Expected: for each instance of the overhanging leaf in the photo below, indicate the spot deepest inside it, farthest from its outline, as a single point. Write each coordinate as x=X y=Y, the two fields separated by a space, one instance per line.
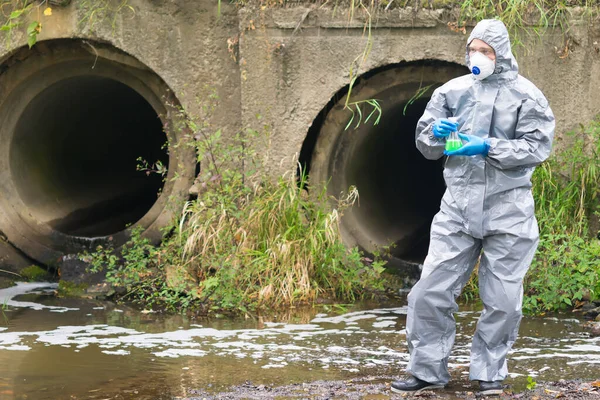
x=32 y=28
x=31 y=40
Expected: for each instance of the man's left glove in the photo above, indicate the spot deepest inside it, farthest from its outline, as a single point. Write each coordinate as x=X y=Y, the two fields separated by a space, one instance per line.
x=474 y=146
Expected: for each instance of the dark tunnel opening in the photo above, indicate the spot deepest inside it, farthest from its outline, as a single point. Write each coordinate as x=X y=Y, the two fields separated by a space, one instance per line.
x=75 y=154
x=400 y=190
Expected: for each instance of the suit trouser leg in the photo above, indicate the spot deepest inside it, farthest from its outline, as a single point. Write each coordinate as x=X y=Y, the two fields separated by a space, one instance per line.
x=504 y=263
x=430 y=324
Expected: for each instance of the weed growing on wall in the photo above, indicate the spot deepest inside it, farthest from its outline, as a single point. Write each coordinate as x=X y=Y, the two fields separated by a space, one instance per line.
x=248 y=241
x=94 y=12
x=29 y=16
x=24 y=13
x=522 y=18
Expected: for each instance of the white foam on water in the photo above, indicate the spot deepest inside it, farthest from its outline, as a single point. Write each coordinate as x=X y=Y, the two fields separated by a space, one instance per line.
x=584 y=347
x=239 y=345
x=7 y=295
x=384 y=324
x=587 y=357
x=597 y=361
x=346 y=361
x=337 y=349
x=356 y=342
x=273 y=366
x=358 y=315
x=117 y=352
x=16 y=347
x=175 y=353
x=377 y=362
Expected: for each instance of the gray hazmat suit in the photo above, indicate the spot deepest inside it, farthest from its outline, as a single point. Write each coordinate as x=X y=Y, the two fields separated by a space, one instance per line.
x=488 y=205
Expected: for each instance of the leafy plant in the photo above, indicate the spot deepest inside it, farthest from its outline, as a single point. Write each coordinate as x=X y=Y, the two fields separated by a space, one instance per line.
x=531 y=384
x=355 y=106
x=566 y=192
x=138 y=269
x=19 y=10
x=157 y=167
x=419 y=93
x=248 y=241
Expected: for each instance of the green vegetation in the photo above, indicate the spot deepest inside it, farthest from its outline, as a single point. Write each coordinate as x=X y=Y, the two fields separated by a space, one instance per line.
x=34 y=273
x=248 y=241
x=18 y=13
x=70 y=289
x=566 y=269
x=94 y=12
x=524 y=19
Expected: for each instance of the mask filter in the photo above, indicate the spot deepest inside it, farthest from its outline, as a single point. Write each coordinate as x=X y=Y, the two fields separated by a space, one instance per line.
x=481 y=66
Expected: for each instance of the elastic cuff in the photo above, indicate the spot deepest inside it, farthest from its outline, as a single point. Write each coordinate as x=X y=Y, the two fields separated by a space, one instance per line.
x=488 y=143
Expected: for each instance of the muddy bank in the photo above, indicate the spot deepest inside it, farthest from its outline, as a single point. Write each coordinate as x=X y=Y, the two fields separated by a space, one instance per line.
x=378 y=387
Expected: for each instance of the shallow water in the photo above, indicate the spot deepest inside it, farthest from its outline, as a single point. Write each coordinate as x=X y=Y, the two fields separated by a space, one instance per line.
x=81 y=349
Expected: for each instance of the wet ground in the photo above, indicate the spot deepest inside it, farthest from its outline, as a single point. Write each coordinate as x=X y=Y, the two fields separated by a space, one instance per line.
x=76 y=349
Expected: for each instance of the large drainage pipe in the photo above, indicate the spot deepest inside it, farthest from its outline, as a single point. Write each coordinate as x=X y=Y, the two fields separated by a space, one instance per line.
x=399 y=189
x=77 y=120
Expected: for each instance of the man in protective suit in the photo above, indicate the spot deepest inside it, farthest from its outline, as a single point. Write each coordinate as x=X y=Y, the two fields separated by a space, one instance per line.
x=486 y=213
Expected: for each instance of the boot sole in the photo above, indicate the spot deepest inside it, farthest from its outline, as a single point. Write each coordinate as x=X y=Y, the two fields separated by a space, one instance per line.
x=431 y=387
x=491 y=392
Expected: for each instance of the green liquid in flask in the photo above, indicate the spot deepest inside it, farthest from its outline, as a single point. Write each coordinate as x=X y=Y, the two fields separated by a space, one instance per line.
x=453 y=144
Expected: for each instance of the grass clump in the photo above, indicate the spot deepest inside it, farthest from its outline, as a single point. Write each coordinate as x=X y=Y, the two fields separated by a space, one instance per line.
x=249 y=241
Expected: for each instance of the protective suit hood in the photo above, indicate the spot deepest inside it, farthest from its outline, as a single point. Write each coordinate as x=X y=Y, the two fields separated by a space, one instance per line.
x=494 y=33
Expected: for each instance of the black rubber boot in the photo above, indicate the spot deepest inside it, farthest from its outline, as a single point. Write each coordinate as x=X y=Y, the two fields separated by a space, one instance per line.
x=413 y=385
x=490 y=388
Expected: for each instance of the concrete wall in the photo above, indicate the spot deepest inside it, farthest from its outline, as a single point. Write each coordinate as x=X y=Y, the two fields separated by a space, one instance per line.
x=286 y=64
x=293 y=73
x=182 y=41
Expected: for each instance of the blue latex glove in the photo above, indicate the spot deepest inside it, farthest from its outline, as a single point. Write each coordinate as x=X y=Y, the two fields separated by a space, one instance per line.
x=443 y=127
x=474 y=146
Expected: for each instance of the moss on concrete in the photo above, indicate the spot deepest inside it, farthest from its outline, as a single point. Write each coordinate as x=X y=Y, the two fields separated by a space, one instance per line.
x=70 y=289
x=33 y=273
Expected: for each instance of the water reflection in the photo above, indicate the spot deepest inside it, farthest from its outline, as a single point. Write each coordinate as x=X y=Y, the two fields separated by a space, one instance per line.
x=100 y=350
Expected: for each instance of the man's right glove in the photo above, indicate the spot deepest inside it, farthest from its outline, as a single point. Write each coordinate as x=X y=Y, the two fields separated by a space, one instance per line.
x=443 y=127
x=474 y=146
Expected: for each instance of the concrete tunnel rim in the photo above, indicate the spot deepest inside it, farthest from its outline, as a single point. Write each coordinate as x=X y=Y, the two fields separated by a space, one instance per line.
x=328 y=133
x=38 y=240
